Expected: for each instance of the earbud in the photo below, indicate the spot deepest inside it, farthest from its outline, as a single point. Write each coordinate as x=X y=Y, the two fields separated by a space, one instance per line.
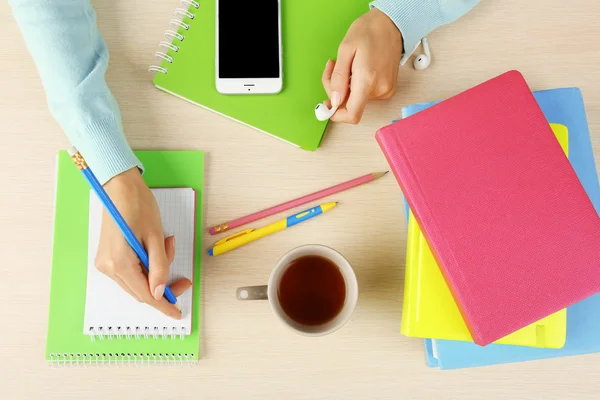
x=422 y=61
x=323 y=113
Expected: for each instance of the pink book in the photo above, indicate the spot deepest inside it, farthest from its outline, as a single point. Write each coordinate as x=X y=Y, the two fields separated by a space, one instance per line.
x=512 y=229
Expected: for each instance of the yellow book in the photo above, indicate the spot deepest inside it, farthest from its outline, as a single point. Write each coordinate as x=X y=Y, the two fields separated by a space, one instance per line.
x=429 y=310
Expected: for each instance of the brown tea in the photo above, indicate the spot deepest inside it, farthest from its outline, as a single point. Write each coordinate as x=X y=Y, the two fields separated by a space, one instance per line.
x=312 y=290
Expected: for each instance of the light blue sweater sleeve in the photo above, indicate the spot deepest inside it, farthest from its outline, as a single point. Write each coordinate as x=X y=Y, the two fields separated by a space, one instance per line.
x=71 y=57
x=418 y=18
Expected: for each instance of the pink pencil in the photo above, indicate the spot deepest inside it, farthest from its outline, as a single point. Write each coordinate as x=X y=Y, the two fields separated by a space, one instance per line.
x=297 y=202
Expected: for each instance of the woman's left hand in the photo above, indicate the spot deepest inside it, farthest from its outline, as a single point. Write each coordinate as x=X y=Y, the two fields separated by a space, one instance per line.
x=366 y=67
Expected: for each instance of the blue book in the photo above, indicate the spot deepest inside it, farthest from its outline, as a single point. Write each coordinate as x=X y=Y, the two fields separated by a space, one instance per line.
x=561 y=106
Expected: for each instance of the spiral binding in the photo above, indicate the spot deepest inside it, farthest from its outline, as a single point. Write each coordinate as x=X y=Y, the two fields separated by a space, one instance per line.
x=171 y=36
x=118 y=359
x=128 y=333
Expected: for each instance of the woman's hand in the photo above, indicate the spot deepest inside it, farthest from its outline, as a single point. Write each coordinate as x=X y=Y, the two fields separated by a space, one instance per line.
x=366 y=67
x=116 y=259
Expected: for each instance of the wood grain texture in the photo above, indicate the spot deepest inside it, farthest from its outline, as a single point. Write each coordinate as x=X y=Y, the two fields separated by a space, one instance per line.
x=247 y=354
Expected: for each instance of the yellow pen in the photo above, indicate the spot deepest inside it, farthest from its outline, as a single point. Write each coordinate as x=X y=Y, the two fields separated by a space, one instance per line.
x=239 y=239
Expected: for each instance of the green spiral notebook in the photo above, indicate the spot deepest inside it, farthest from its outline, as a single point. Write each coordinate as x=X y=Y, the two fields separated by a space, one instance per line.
x=91 y=319
x=311 y=33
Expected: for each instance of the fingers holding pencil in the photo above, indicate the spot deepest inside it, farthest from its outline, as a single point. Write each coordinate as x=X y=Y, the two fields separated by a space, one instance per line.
x=120 y=253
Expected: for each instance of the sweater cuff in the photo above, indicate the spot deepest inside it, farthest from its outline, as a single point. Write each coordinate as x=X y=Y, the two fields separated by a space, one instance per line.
x=414 y=18
x=106 y=150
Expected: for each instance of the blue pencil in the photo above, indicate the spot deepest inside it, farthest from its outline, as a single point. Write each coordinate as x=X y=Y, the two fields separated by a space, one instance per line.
x=116 y=215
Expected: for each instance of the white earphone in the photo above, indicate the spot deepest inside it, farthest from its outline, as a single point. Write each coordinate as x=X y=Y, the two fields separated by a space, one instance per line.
x=323 y=113
x=422 y=61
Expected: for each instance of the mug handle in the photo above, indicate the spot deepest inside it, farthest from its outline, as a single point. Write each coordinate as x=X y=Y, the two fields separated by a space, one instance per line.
x=252 y=293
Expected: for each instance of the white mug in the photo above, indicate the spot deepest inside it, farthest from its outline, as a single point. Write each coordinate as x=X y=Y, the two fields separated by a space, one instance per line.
x=270 y=291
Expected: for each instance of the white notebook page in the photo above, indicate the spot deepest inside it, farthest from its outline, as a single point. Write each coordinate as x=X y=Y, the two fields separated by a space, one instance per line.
x=109 y=310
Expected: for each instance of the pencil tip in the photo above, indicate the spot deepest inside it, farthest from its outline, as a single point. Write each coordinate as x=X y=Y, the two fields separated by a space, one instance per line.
x=377 y=175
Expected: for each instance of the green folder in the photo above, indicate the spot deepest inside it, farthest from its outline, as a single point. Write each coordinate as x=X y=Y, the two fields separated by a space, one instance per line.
x=66 y=343
x=311 y=33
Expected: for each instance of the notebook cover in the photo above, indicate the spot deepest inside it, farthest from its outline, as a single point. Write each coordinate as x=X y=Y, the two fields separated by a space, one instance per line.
x=65 y=341
x=429 y=311
x=480 y=195
x=290 y=114
x=564 y=106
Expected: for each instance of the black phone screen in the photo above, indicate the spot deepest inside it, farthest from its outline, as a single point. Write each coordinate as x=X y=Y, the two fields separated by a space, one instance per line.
x=248 y=39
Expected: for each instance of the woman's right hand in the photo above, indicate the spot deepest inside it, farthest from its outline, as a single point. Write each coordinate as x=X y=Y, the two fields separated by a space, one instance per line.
x=116 y=259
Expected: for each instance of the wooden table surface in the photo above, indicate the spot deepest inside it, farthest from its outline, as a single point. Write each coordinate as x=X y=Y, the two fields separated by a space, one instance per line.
x=246 y=352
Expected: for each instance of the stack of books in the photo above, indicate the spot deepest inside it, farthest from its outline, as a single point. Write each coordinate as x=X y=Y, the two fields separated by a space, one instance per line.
x=502 y=201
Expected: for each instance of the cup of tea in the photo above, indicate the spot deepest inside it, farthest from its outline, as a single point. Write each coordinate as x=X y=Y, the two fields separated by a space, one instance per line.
x=312 y=289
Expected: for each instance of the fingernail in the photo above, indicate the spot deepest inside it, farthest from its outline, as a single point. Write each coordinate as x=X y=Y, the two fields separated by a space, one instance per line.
x=158 y=292
x=173 y=243
x=335 y=99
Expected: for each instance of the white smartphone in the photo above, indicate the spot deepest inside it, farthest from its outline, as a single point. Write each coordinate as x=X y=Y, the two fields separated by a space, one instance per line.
x=248 y=47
